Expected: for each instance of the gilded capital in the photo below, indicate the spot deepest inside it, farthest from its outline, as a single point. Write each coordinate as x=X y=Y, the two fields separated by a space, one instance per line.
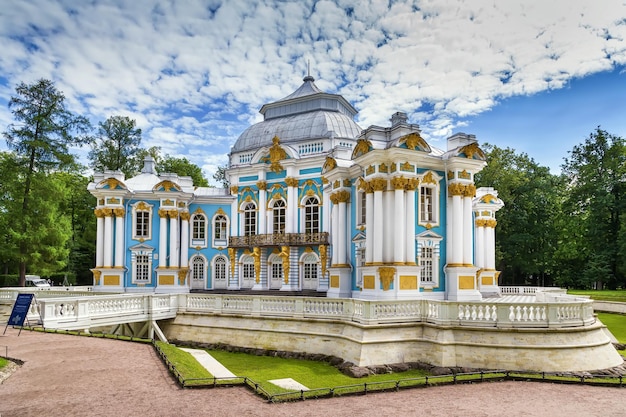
x=185 y=215
x=469 y=190
x=234 y=189
x=379 y=184
x=455 y=189
x=107 y=212
x=491 y=223
x=412 y=184
x=291 y=182
x=173 y=214
x=261 y=185
x=481 y=222
x=343 y=196
x=119 y=212
x=163 y=213
x=399 y=183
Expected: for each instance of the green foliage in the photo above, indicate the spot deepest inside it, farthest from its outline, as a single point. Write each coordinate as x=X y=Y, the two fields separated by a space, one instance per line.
x=184 y=362
x=526 y=236
x=117 y=145
x=594 y=211
x=183 y=167
x=220 y=177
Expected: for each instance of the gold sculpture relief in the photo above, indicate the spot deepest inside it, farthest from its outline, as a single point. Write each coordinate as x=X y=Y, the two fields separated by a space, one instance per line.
x=185 y=215
x=323 y=258
x=489 y=199
x=142 y=206
x=491 y=223
x=469 y=190
x=277 y=154
x=455 y=189
x=471 y=150
x=284 y=254
x=386 y=276
x=347 y=182
x=379 y=184
x=412 y=184
x=464 y=175
x=343 y=196
x=429 y=179
x=414 y=141
x=324 y=180
x=113 y=183
x=362 y=147
x=407 y=167
x=261 y=185
x=383 y=168
x=168 y=202
x=234 y=189
x=220 y=211
x=336 y=184
x=256 y=254
x=481 y=223
x=107 y=212
x=182 y=275
x=119 y=212
x=232 y=252
x=173 y=214
x=98 y=212
x=450 y=175
x=398 y=183
x=291 y=182
x=329 y=164
x=96 y=276
x=114 y=200
x=370 y=170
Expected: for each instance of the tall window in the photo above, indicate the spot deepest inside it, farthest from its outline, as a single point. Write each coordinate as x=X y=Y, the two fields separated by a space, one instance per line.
x=426 y=262
x=249 y=219
x=198 y=269
x=220 y=230
x=248 y=271
x=362 y=207
x=277 y=271
x=220 y=269
x=426 y=204
x=198 y=230
x=311 y=215
x=142 y=217
x=142 y=268
x=310 y=268
x=278 y=210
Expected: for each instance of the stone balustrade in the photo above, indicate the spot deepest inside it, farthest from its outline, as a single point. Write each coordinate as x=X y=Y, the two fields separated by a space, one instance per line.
x=74 y=310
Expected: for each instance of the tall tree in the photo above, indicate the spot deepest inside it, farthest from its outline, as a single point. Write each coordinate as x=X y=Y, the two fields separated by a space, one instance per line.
x=596 y=173
x=220 y=176
x=183 y=167
x=41 y=138
x=526 y=234
x=116 y=146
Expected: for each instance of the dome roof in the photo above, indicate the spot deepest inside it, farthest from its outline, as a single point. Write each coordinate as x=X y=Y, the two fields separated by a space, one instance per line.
x=307 y=113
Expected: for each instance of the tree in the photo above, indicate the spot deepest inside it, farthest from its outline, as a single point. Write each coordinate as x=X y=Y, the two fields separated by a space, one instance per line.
x=183 y=167
x=117 y=145
x=596 y=173
x=526 y=233
x=220 y=176
x=41 y=140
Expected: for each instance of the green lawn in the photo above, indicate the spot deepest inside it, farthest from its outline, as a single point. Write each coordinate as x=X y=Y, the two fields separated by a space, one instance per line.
x=312 y=374
x=604 y=295
x=616 y=324
x=3 y=363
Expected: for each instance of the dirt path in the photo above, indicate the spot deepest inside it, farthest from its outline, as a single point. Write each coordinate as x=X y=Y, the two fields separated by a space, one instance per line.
x=79 y=376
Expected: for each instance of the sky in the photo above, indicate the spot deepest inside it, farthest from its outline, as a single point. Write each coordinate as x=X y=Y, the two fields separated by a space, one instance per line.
x=534 y=75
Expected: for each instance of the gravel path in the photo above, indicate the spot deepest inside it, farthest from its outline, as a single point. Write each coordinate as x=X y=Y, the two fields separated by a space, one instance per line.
x=66 y=375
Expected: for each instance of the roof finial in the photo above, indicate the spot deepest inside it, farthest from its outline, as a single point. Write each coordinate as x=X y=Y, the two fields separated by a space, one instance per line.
x=308 y=72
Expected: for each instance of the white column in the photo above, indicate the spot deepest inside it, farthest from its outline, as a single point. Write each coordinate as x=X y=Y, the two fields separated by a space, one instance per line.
x=173 y=238
x=410 y=226
x=108 y=238
x=119 y=237
x=480 y=243
x=490 y=245
x=456 y=257
x=291 y=225
x=162 y=238
x=234 y=217
x=184 y=240
x=262 y=208
x=399 y=225
x=378 y=227
x=468 y=227
x=99 y=238
x=335 y=230
x=387 y=227
x=369 y=227
x=342 y=232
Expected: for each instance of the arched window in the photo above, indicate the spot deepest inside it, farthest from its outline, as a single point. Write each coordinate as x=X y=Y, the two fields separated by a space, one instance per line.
x=219 y=272
x=278 y=214
x=220 y=230
x=249 y=219
x=198 y=230
x=142 y=218
x=429 y=199
x=198 y=269
x=309 y=271
x=311 y=215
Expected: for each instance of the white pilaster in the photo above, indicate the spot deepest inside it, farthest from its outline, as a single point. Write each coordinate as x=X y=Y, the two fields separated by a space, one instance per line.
x=108 y=238
x=119 y=237
x=409 y=233
x=342 y=233
x=399 y=255
x=173 y=239
x=378 y=227
x=456 y=255
x=184 y=240
x=468 y=226
x=369 y=227
x=162 y=238
x=99 y=238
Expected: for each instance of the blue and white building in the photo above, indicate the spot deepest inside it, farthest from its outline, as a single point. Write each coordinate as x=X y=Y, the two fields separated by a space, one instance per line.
x=316 y=203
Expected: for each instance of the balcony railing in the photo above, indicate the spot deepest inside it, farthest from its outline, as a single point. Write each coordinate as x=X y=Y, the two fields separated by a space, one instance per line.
x=279 y=239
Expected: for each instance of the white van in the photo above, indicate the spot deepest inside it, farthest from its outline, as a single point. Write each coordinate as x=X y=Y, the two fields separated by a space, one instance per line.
x=36 y=281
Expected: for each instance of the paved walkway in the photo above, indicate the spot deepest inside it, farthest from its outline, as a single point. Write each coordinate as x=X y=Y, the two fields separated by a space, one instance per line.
x=210 y=363
x=67 y=375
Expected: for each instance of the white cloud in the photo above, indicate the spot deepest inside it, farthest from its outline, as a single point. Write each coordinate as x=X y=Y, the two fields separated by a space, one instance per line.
x=195 y=73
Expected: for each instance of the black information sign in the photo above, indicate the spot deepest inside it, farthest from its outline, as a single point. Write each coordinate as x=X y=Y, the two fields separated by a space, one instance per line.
x=20 y=310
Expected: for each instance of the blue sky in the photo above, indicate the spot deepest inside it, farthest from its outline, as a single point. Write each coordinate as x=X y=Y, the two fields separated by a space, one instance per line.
x=533 y=75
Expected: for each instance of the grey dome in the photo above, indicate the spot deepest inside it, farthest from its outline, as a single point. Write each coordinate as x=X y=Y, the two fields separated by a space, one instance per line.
x=307 y=113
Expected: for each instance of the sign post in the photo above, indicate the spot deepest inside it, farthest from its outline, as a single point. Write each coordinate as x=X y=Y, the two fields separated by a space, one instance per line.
x=20 y=311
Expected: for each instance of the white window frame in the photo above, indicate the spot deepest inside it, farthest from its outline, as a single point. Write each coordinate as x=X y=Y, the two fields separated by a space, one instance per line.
x=361 y=208
x=249 y=218
x=146 y=208
x=198 y=240
x=141 y=259
x=222 y=241
x=275 y=214
x=435 y=196
x=203 y=263
x=305 y=221
x=431 y=242
x=220 y=268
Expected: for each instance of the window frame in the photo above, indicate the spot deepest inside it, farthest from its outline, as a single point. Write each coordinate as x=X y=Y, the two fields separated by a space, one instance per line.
x=278 y=212
x=313 y=225
x=141 y=260
x=145 y=211
x=198 y=237
x=220 y=224
x=249 y=219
